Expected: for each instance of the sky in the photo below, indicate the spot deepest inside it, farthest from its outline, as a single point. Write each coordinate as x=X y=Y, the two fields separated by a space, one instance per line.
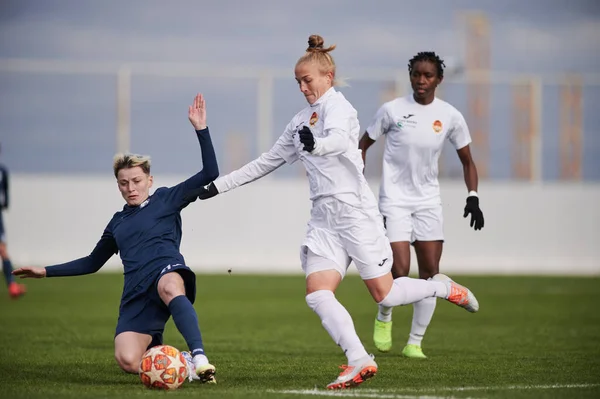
x=65 y=123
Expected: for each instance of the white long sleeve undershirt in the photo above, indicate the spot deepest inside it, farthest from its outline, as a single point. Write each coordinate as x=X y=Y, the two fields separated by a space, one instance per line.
x=260 y=167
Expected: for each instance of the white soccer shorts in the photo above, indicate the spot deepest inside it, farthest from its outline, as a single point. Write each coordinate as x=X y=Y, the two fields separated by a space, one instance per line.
x=414 y=223
x=342 y=233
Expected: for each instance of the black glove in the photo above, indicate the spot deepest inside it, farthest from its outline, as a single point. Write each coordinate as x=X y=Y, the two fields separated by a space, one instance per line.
x=307 y=138
x=208 y=191
x=472 y=207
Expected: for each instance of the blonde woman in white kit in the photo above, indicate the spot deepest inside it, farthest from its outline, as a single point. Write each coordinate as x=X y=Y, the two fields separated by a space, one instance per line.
x=415 y=129
x=345 y=223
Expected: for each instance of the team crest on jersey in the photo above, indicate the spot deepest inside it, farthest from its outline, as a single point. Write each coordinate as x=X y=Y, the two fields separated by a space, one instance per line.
x=313 y=119
x=437 y=126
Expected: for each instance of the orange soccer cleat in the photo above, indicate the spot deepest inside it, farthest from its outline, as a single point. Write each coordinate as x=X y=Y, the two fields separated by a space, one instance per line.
x=16 y=290
x=458 y=294
x=355 y=374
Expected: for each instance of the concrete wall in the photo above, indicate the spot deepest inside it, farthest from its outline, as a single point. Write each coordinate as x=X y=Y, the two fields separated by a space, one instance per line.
x=530 y=229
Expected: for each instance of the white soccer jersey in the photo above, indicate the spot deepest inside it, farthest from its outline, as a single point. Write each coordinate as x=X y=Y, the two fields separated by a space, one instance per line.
x=415 y=135
x=334 y=168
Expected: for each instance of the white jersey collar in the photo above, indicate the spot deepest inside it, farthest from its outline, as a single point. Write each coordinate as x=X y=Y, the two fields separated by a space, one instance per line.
x=411 y=100
x=324 y=97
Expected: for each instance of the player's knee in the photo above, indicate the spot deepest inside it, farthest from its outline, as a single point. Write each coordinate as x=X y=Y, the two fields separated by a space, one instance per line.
x=314 y=299
x=128 y=361
x=400 y=268
x=167 y=292
x=170 y=286
x=429 y=254
x=401 y=262
x=426 y=274
x=387 y=298
x=429 y=266
x=399 y=271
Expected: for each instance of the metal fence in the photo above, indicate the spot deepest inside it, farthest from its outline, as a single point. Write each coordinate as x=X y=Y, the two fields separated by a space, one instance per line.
x=65 y=116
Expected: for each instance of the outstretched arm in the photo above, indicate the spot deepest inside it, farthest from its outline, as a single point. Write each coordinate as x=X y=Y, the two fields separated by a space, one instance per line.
x=210 y=168
x=103 y=251
x=187 y=191
x=260 y=167
x=283 y=151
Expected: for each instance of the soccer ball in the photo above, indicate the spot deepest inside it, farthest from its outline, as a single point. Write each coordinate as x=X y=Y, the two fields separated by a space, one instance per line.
x=163 y=367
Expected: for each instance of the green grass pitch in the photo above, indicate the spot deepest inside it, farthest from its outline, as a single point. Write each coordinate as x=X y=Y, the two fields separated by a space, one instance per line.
x=534 y=337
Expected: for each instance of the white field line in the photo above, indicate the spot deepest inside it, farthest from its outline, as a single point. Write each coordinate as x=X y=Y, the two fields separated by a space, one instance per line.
x=400 y=393
x=360 y=394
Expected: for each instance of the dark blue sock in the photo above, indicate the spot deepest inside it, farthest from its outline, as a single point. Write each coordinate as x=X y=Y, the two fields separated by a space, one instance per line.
x=186 y=321
x=7 y=270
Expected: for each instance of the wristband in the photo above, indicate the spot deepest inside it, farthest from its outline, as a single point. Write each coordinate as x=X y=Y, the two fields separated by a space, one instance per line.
x=473 y=193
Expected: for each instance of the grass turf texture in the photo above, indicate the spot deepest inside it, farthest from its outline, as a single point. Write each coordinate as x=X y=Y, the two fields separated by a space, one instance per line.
x=57 y=341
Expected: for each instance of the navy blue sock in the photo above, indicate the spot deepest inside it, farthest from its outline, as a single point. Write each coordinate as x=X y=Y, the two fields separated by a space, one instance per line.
x=7 y=270
x=186 y=321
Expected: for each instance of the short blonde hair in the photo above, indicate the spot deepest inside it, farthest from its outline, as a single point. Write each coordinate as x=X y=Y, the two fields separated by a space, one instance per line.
x=317 y=53
x=126 y=161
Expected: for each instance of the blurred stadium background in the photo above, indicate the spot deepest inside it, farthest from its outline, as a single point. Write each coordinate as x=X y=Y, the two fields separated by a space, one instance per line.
x=83 y=80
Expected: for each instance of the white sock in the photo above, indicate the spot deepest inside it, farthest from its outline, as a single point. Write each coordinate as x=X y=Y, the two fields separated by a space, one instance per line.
x=407 y=290
x=338 y=323
x=422 y=314
x=384 y=313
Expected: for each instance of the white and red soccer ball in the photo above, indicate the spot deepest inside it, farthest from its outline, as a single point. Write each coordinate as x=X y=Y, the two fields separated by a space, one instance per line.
x=163 y=367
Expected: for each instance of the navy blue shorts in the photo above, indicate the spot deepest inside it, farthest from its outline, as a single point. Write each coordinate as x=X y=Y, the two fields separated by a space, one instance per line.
x=146 y=313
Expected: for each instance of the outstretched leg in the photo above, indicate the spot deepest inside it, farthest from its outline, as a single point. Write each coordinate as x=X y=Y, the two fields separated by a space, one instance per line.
x=388 y=291
x=171 y=289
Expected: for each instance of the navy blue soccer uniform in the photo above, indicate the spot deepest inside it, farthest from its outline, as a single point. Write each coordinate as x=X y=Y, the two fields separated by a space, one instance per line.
x=147 y=238
x=3 y=197
x=15 y=290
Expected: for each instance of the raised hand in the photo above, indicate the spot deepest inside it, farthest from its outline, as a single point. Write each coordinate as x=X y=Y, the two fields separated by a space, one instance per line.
x=30 y=272
x=197 y=113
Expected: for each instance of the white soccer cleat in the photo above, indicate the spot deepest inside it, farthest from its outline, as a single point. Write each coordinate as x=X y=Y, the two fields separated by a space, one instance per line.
x=458 y=294
x=355 y=373
x=190 y=366
x=199 y=369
